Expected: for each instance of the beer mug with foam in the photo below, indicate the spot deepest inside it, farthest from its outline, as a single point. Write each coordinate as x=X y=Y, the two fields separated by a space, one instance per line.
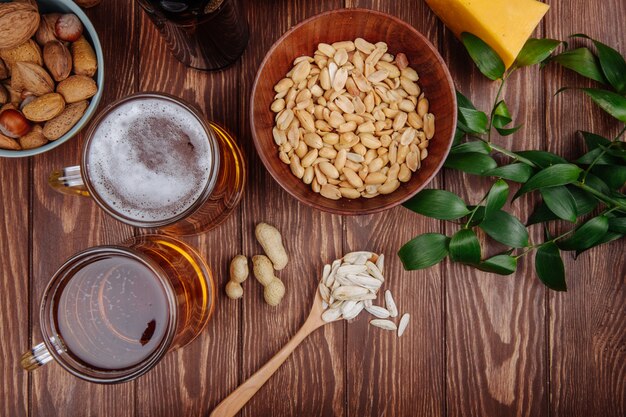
x=151 y=160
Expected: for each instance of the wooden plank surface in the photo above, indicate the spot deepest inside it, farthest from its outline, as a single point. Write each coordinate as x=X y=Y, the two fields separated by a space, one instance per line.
x=63 y=225
x=312 y=381
x=192 y=380
x=478 y=344
x=587 y=330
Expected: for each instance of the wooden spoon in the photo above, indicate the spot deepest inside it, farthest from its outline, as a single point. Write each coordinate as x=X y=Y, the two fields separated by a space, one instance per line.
x=238 y=398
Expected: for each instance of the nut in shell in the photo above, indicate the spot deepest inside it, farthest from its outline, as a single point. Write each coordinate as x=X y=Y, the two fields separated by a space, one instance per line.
x=33 y=139
x=45 y=32
x=31 y=78
x=18 y=23
x=28 y=51
x=13 y=123
x=58 y=60
x=85 y=62
x=68 y=28
x=9 y=143
x=61 y=124
x=44 y=108
x=77 y=88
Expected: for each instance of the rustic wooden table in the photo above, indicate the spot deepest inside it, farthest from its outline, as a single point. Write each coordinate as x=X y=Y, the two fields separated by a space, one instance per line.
x=478 y=344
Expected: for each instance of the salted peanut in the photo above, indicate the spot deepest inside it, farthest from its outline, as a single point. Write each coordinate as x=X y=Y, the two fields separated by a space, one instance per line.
x=351 y=119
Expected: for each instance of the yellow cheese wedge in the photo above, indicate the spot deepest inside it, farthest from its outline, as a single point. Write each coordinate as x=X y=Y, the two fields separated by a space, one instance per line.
x=504 y=24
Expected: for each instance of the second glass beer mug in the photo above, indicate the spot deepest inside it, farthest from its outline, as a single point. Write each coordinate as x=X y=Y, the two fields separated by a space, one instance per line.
x=110 y=313
x=152 y=161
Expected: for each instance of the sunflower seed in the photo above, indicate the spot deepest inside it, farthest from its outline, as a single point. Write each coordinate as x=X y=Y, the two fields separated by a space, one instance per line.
x=383 y=324
x=374 y=271
x=404 y=322
x=391 y=304
x=351 y=269
x=331 y=314
x=354 y=311
x=324 y=292
x=349 y=292
x=378 y=311
x=365 y=281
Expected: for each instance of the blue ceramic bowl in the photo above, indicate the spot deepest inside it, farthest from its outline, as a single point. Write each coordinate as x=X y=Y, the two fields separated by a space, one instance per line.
x=68 y=6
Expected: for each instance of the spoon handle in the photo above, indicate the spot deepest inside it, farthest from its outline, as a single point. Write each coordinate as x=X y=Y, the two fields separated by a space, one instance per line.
x=238 y=398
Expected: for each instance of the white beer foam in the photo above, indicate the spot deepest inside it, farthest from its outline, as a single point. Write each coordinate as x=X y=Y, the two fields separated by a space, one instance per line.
x=149 y=159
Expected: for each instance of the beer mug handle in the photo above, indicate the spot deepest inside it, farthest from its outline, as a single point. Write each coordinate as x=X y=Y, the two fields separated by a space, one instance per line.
x=68 y=180
x=35 y=357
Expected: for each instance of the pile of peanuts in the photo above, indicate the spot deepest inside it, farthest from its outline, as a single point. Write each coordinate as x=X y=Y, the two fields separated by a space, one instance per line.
x=352 y=121
x=263 y=266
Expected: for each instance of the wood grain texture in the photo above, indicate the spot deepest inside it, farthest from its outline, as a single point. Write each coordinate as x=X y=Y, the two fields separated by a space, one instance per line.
x=14 y=285
x=587 y=327
x=478 y=344
x=495 y=340
x=64 y=225
x=311 y=382
x=192 y=380
x=386 y=375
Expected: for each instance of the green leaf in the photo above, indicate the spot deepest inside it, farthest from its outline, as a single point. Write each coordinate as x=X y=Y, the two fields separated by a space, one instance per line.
x=613 y=175
x=586 y=235
x=559 y=174
x=485 y=58
x=496 y=198
x=424 y=251
x=439 y=204
x=471 y=162
x=506 y=229
x=593 y=141
x=517 y=172
x=463 y=101
x=616 y=149
x=608 y=237
x=542 y=159
x=501 y=115
x=583 y=62
x=472 y=121
x=612 y=64
x=617 y=224
x=597 y=184
x=458 y=135
x=541 y=214
x=474 y=146
x=610 y=102
x=560 y=202
x=585 y=202
x=508 y=132
x=479 y=215
x=549 y=267
x=597 y=156
x=464 y=247
x=535 y=51
x=500 y=264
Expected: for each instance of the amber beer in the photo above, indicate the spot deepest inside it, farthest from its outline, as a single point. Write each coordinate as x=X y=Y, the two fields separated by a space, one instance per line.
x=111 y=312
x=202 y=34
x=153 y=161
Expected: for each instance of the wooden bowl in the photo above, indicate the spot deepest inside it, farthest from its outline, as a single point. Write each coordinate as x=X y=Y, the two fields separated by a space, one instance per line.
x=348 y=24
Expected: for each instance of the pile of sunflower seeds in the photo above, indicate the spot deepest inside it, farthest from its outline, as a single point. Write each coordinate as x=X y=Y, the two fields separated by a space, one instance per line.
x=350 y=284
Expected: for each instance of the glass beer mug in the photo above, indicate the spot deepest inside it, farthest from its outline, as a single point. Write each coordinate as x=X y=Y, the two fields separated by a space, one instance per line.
x=202 y=34
x=110 y=313
x=151 y=160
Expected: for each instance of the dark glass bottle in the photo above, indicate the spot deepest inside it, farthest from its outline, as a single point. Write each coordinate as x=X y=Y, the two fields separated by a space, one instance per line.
x=202 y=34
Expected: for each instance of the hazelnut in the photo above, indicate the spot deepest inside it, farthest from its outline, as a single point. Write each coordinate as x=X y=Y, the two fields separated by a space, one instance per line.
x=13 y=124
x=68 y=28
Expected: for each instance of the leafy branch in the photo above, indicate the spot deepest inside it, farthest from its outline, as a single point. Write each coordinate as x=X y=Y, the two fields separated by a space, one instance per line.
x=569 y=190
